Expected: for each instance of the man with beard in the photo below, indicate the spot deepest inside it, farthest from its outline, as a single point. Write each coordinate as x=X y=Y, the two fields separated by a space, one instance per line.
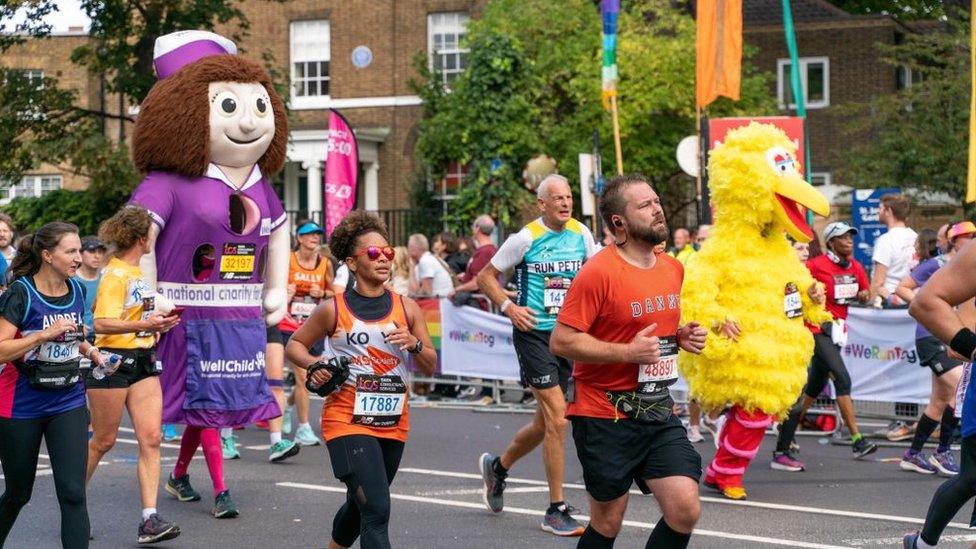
x=620 y=324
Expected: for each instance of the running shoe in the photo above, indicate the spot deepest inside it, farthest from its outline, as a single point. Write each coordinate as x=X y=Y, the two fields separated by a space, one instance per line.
x=528 y=399
x=282 y=450
x=735 y=493
x=784 y=461
x=694 y=434
x=286 y=421
x=915 y=461
x=493 y=496
x=169 y=433
x=180 y=489
x=944 y=463
x=910 y=541
x=900 y=431
x=863 y=447
x=305 y=437
x=224 y=507
x=228 y=446
x=560 y=522
x=156 y=529
x=468 y=392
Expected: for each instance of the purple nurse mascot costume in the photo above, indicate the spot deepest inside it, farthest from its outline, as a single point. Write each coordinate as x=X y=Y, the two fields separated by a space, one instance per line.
x=209 y=134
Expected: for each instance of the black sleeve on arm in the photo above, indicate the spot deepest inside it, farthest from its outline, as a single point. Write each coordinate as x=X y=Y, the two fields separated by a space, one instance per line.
x=13 y=304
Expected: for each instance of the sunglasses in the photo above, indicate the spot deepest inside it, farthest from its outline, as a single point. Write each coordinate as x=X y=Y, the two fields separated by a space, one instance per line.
x=373 y=252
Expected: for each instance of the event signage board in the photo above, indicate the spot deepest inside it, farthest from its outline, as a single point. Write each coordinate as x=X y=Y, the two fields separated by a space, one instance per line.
x=864 y=218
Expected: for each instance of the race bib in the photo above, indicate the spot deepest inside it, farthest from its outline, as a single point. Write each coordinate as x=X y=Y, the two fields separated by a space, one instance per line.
x=554 y=294
x=793 y=304
x=664 y=372
x=66 y=348
x=301 y=310
x=379 y=400
x=237 y=262
x=845 y=288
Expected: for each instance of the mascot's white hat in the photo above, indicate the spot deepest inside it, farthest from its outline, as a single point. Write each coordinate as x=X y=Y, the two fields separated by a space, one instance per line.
x=175 y=50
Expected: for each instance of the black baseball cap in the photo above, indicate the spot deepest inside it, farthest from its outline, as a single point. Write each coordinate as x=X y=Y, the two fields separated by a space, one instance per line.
x=92 y=243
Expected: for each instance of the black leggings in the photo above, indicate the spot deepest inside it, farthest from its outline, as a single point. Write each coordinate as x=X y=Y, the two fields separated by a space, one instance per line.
x=952 y=495
x=66 y=436
x=826 y=362
x=366 y=465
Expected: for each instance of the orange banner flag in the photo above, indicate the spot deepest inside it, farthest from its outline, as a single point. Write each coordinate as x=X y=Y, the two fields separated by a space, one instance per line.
x=718 y=47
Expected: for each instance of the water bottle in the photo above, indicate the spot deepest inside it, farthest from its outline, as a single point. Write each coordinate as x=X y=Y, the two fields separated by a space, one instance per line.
x=111 y=360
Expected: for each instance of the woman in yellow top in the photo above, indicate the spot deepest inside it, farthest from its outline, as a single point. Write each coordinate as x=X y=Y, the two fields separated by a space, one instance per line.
x=126 y=325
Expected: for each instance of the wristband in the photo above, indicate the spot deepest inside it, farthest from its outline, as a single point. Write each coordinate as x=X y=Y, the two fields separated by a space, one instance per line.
x=90 y=349
x=505 y=304
x=964 y=343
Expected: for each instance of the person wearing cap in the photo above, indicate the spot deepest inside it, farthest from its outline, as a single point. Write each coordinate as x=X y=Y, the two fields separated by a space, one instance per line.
x=845 y=281
x=90 y=275
x=934 y=355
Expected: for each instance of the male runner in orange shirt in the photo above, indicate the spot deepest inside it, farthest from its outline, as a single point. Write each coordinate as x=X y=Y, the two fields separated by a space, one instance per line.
x=620 y=324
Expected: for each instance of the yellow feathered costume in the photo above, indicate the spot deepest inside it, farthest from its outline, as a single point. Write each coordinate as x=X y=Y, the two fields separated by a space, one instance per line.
x=744 y=273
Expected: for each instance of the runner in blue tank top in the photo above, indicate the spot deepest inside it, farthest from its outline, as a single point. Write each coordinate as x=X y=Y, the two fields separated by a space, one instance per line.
x=42 y=342
x=546 y=256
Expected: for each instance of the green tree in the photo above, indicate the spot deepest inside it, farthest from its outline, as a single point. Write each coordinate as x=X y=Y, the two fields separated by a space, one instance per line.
x=902 y=9
x=557 y=97
x=918 y=137
x=43 y=123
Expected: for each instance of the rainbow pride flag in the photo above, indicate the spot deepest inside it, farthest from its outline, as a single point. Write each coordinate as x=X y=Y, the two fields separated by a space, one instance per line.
x=431 y=309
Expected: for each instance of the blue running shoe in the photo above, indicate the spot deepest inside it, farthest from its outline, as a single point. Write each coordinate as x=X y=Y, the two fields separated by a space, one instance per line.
x=916 y=462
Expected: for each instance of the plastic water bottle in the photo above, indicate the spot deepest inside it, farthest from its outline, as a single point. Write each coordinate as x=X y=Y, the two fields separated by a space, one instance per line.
x=111 y=360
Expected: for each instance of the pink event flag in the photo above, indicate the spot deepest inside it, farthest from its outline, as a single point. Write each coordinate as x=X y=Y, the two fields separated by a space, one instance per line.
x=341 y=171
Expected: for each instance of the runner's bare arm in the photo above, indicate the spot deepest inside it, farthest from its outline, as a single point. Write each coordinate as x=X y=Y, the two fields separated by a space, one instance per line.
x=878 y=280
x=570 y=343
x=150 y=273
x=321 y=324
x=427 y=358
x=276 y=279
x=949 y=287
x=906 y=289
x=522 y=317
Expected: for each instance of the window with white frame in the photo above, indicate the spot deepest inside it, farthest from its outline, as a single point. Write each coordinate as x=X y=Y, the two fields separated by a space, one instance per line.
x=310 y=56
x=445 y=31
x=905 y=78
x=447 y=187
x=820 y=179
x=814 y=78
x=30 y=186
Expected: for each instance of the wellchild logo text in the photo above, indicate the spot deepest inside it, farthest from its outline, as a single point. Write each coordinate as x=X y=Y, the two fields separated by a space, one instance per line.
x=882 y=354
x=222 y=366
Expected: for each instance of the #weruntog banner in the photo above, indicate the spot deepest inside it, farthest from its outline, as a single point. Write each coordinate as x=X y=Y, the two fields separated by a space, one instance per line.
x=341 y=171
x=881 y=357
x=476 y=344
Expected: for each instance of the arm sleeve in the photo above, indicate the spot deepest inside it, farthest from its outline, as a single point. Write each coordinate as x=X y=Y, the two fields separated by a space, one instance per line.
x=156 y=195
x=591 y=248
x=512 y=251
x=110 y=299
x=13 y=304
x=586 y=294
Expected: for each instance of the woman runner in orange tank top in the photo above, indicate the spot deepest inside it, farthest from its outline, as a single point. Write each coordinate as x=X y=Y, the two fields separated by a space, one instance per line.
x=365 y=422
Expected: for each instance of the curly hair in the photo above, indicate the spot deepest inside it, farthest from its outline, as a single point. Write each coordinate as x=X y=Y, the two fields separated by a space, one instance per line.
x=353 y=226
x=123 y=230
x=172 y=131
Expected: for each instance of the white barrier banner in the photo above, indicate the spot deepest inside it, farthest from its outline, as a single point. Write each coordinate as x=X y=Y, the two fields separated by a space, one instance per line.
x=881 y=357
x=476 y=344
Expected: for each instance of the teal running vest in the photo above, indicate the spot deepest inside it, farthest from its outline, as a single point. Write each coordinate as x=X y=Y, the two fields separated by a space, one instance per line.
x=548 y=267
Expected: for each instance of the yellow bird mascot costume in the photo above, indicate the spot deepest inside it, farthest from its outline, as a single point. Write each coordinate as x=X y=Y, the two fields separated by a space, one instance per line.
x=747 y=285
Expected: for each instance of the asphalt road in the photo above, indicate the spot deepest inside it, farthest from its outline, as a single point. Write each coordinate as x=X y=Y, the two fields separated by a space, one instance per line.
x=837 y=502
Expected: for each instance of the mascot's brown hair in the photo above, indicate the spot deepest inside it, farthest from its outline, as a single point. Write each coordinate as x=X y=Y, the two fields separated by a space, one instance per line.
x=172 y=130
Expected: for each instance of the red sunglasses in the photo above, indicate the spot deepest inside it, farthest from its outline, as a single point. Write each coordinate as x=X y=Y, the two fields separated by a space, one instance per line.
x=373 y=252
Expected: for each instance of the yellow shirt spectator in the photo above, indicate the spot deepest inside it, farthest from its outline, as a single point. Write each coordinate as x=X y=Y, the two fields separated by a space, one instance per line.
x=124 y=295
x=684 y=255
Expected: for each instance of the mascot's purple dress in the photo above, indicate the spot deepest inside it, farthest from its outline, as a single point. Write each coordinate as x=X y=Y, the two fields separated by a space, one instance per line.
x=213 y=361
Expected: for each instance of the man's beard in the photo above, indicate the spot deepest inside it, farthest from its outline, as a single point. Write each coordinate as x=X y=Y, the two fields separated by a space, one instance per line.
x=653 y=235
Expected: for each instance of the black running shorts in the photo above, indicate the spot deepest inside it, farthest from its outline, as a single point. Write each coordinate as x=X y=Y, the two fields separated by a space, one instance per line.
x=935 y=355
x=128 y=374
x=616 y=453
x=275 y=335
x=538 y=367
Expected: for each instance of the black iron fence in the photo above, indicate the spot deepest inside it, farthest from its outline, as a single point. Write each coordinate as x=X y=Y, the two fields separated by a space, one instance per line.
x=400 y=223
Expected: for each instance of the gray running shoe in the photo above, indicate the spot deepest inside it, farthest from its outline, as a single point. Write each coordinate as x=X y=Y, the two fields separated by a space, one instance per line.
x=180 y=488
x=224 y=507
x=910 y=540
x=561 y=522
x=156 y=529
x=493 y=495
x=863 y=447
